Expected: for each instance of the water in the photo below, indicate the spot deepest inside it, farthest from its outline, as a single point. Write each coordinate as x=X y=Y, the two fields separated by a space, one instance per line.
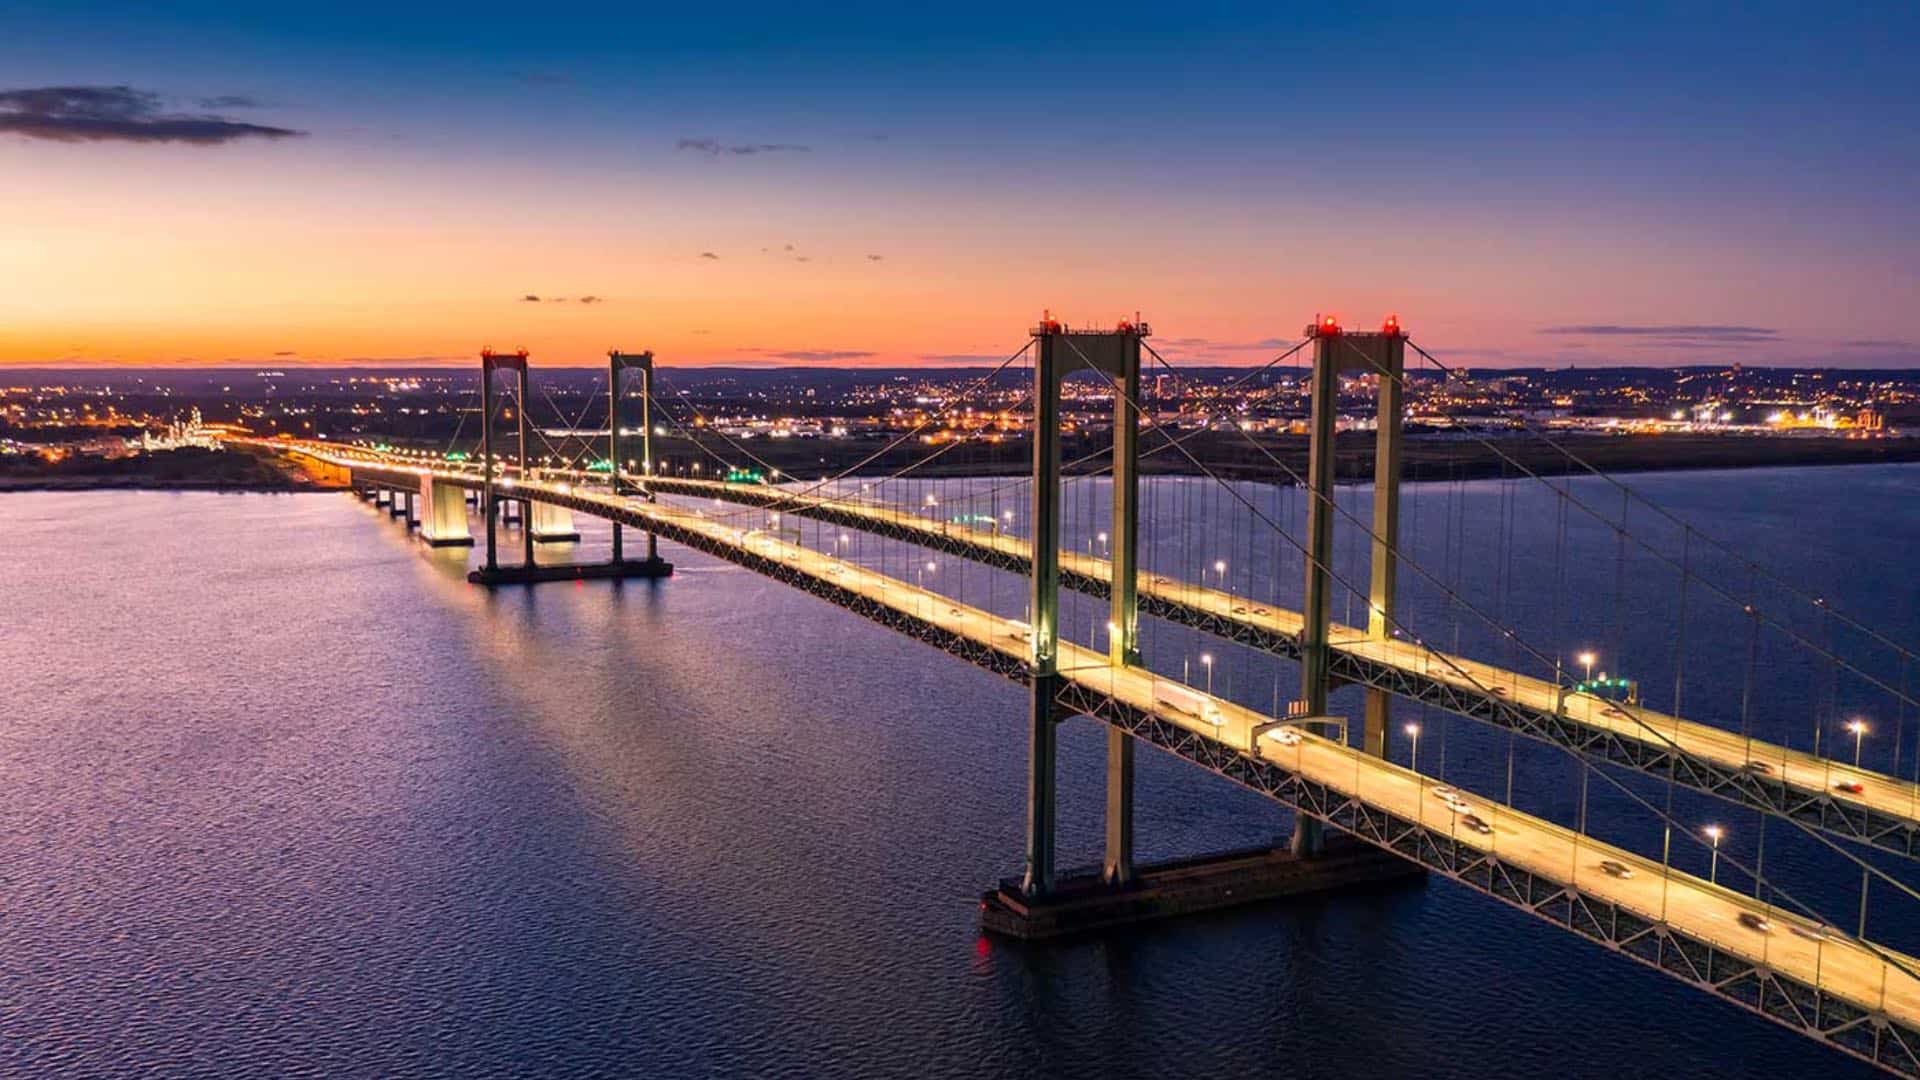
x=286 y=796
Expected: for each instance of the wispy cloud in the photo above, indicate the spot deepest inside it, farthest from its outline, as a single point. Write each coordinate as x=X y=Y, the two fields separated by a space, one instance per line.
x=959 y=358
x=536 y=298
x=1698 y=335
x=814 y=355
x=1201 y=344
x=708 y=255
x=875 y=258
x=714 y=147
x=230 y=101
x=76 y=114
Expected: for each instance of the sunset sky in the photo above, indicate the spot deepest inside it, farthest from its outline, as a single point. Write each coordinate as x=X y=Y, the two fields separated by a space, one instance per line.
x=392 y=183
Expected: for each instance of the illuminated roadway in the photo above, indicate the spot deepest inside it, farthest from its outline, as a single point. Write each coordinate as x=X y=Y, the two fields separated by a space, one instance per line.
x=1811 y=777
x=1873 y=980
x=1712 y=759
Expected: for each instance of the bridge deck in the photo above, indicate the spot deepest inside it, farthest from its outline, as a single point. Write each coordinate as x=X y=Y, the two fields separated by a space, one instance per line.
x=1860 y=998
x=1885 y=813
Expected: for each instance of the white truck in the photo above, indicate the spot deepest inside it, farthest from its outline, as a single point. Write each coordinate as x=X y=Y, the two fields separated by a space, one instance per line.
x=1184 y=700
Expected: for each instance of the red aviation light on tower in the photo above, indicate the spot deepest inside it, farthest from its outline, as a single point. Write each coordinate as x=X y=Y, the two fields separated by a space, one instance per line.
x=1326 y=325
x=1391 y=327
x=1048 y=324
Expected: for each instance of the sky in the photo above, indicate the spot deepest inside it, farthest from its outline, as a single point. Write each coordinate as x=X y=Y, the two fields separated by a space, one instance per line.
x=878 y=185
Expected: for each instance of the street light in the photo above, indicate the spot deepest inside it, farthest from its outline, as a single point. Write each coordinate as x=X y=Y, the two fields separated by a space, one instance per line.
x=1206 y=658
x=1586 y=660
x=1859 y=729
x=1413 y=732
x=1714 y=833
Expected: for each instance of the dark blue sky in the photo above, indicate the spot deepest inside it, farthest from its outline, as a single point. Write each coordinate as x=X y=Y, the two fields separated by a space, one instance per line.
x=1667 y=164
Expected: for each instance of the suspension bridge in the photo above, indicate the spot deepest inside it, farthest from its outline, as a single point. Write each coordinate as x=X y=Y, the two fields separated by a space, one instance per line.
x=1770 y=949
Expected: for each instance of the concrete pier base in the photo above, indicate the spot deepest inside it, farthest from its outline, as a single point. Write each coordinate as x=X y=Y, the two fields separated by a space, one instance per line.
x=553 y=525
x=533 y=575
x=1082 y=903
x=445 y=522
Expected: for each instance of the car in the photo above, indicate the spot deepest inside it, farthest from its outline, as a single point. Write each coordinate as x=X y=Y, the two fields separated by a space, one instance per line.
x=1239 y=611
x=1287 y=736
x=1812 y=933
x=1613 y=712
x=1497 y=691
x=1472 y=821
x=1759 y=767
x=1161 y=581
x=1616 y=868
x=1459 y=805
x=1851 y=787
x=1445 y=793
x=1753 y=920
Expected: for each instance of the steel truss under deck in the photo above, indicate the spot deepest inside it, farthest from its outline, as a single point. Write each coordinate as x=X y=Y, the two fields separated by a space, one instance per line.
x=1769 y=794
x=1811 y=1011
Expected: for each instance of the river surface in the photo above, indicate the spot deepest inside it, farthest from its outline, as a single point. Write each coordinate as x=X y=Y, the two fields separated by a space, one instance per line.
x=282 y=795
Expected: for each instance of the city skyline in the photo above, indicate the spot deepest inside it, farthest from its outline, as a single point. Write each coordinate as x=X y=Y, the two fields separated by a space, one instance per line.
x=886 y=189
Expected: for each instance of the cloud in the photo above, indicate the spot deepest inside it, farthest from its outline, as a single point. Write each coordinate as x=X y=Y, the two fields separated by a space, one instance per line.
x=1691 y=334
x=536 y=298
x=1201 y=344
x=875 y=258
x=229 y=101
x=714 y=147
x=708 y=255
x=815 y=355
x=286 y=352
x=1879 y=343
x=118 y=114
x=959 y=358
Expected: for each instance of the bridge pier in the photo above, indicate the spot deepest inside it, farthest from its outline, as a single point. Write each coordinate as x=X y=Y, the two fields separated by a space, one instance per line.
x=445 y=522
x=553 y=524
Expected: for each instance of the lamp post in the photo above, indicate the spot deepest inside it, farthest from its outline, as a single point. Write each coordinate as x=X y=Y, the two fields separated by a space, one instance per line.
x=1206 y=659
x=1586 y=661
x=1859 y=729
x=1714 y=833
x=1413 y=733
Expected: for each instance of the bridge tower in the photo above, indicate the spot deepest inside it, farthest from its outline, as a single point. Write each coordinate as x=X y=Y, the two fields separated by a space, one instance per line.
x=1335 y=352
x=1115 y=354
x=491 y=361
x=642 y=362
